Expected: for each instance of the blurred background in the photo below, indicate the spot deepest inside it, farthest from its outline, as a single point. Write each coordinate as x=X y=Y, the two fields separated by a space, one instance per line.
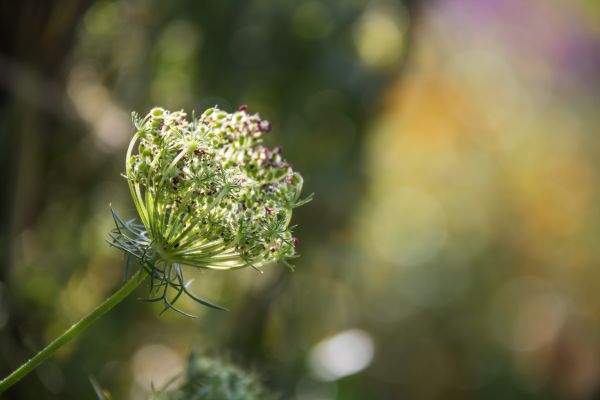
x=453 y=247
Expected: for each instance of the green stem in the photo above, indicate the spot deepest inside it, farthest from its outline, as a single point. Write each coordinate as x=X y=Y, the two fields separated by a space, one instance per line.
x=74 y=330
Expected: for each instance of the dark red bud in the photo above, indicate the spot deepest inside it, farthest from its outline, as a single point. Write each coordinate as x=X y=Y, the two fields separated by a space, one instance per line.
x=243 y=107
x=295 y=241
x=264 y=126
x=277 y=150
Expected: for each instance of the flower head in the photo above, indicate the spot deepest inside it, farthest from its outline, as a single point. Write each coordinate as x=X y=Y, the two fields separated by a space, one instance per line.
x=208 y=193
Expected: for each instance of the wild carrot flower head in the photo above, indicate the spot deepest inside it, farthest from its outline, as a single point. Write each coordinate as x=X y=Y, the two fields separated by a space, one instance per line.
x=209 y=195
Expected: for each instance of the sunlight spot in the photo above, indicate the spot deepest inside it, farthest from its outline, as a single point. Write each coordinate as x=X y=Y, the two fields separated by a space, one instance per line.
x=344 y=354
x=94 y=104
x=379 y=36
x=527 y=314
x=154 y=365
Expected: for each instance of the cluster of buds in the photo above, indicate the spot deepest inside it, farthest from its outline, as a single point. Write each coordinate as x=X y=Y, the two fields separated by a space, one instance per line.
x=208 y=193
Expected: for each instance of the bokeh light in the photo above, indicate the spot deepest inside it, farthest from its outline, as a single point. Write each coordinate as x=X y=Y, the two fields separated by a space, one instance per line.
x=344 y=354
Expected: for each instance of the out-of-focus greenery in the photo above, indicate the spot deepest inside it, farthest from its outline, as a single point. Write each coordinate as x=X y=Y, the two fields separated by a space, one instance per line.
x=453 y=247
x=213 y=379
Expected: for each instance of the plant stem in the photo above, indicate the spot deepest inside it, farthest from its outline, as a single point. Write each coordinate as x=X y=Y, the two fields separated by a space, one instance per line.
x=74 y=330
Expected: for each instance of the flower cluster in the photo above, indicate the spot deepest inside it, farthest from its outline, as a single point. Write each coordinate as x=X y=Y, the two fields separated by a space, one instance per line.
x=210 y=378
x=208 y=193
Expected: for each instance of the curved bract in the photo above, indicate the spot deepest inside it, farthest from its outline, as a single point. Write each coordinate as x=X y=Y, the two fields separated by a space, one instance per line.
x=208 y=193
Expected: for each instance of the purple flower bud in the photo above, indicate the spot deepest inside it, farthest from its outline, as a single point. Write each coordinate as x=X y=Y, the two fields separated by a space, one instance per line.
x=243 y=108
x=264 y=126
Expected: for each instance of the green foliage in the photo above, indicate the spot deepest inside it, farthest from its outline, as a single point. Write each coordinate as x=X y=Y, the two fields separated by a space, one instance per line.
x=215 y=379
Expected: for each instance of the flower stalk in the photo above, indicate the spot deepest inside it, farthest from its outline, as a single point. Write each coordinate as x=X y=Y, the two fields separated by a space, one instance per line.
x=78 y=327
